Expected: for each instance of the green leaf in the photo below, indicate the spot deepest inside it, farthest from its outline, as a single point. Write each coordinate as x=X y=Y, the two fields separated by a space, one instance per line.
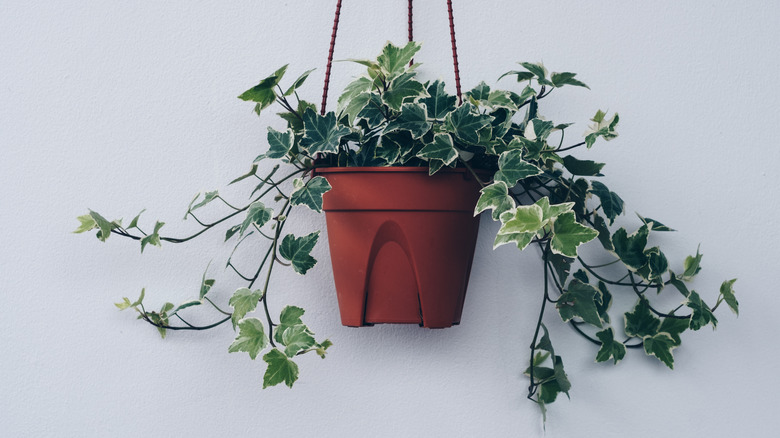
x=674 y=327
x=280 y=143
x=357 y=87
x=87 y=222
x=610 y=348
x=727 y=292
x=252 y=172
x=251 y=338
x=568 y=234
x=124 y=304
x=413 y=118
x=538 y=70
x=660 y=345
x=231 y=232
x=185 y=305
x=393 y=59
x=562 y=266
x=522 y=219
x=602 y=127
x=480 y=92
x=582 y=167
x=290 y=317
x=604 y=237
x=512 y=168
x=611 y=203
x=243 y=301
x=296 y=339
x=134 y=222
x=702 y=314
x=280 y=369
x=566 y=78
x=631 y=249
x=604 y=304
x=440 y=149
x=310 y=193
x=153 y=238
x=294 y=120
x=298 y=82
x=550 y=212
x=656 y=263
x=321 y=133
x=263 y=93
x=521 y=75
x=401 y=89
x=466 y=121
x=373 y=111
x=297 y=250
x=654 y=224
x=676 y=282
x=641 y=322
x=439 y=104
x=521 y=239
x=207 y=198
x=579 y=301
x=538 y=129
x=205 y=285
x=692 y=266
x=103 y=224
x=495 y=197
x=257 y=214
x=322 y=347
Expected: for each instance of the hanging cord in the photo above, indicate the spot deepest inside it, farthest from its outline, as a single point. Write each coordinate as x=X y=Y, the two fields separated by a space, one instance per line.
x=454 y=52
x=330 y=57
x=411 y=29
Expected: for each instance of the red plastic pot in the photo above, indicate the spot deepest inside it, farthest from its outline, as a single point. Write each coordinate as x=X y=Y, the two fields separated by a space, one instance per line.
x=401 y=243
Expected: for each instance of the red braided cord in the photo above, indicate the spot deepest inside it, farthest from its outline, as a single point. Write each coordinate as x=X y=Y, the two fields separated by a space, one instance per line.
x=411 y=29
x=330 y=57
x=454 y=52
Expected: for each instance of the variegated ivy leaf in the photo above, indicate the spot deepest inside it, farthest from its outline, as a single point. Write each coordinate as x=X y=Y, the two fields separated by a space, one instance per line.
x=153 y=238
x=296 y=339
x=606 y=302
x=298 y=249
x=87 y=223
x=252 y=172
x=660 y=345
x=495 y=197
x=674 y=327
x=512 y=168
x=243 y=301
x=102 y=224
x=289 y=317
x=656 y=266
x=466 y=121
x=522 y=219
x=480 y=92
x=604 y=237
x=579 y=301
x=568 y=234
x=257 y=214
x=207 y=198
x=601 y=127
x=521 y=75
x=640 y=322
x=441 y=149
x=321 y=133
x=134 y=222
x=294 y=122
x=550 y=212
x=354 y=89
x=611 y=203
x=522 y=240
x=280 y=369
x=205 y=286
x=393 y=59
x=263 y=93
x=582 y=167
x=692 y=265
x=537 y=129
x=402 y=88
x=251 y=338
x=279 y=143
x=654 y=224
x=538 y=70
x=727 y=292
x=374 y=110
x=439 y=103
x=298 y=82
x=702 y=314
x=413 y=118
x=610 y=348
x=389 y=149
x=310 y=193
x=676 y=282
x=565 y=78
x=356 y=105
x=631 y=249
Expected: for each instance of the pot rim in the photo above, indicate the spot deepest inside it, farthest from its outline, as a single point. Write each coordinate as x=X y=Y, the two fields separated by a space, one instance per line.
x=373 y=169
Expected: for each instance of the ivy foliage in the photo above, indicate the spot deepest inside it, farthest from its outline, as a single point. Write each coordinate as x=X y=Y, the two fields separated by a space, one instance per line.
x=541 y=195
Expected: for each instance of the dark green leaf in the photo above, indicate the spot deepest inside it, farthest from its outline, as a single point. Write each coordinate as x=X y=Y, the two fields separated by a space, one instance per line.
x=702 y=315
x=727 y=292
x=321 y=133
x=602 y=127
x=440 y=149
x=280 y=369
x=582 y=167
x=604 y=237
x=641 y=322
x=402 y=88
x=439 y=104
x=153 y=238
x=512 y=168
x=610 y=348
x=566 y=78
x=413 y=118
x=374 y=110
x=263 y=93
x=676 y=282
x=538 y=70
x=310 y=193
x=466 y=121
x=654 y=224
x=298 y=82
x=101 y=223
x=579 y=301
x=674 y=327
x=661 y=345
x=692 y=265
x=611 y=203
x=279 y=143
x=631 y=249
x=298 y=249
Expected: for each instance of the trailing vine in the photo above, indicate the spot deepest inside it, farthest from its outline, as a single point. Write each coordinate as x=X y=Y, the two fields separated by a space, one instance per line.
x=541 y=197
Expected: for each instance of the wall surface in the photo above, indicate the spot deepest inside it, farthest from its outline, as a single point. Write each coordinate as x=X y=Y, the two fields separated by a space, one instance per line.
x=118 y=106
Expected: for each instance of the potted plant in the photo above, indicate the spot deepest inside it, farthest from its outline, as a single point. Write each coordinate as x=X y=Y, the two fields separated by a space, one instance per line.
x=394 y=136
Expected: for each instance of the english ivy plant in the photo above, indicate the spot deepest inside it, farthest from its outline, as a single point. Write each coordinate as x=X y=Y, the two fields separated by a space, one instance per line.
x=541 y=194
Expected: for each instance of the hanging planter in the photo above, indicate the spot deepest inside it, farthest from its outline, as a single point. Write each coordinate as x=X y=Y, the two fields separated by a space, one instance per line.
x=400 y=168
x=401 y=243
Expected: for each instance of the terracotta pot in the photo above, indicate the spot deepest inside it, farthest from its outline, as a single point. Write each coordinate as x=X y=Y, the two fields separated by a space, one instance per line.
x=401 y=243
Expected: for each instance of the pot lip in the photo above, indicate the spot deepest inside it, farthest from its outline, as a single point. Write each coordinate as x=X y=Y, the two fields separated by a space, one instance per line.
x=377 y=169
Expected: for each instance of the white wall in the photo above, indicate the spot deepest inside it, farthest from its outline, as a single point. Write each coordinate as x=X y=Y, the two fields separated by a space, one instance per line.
x=118 y=106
